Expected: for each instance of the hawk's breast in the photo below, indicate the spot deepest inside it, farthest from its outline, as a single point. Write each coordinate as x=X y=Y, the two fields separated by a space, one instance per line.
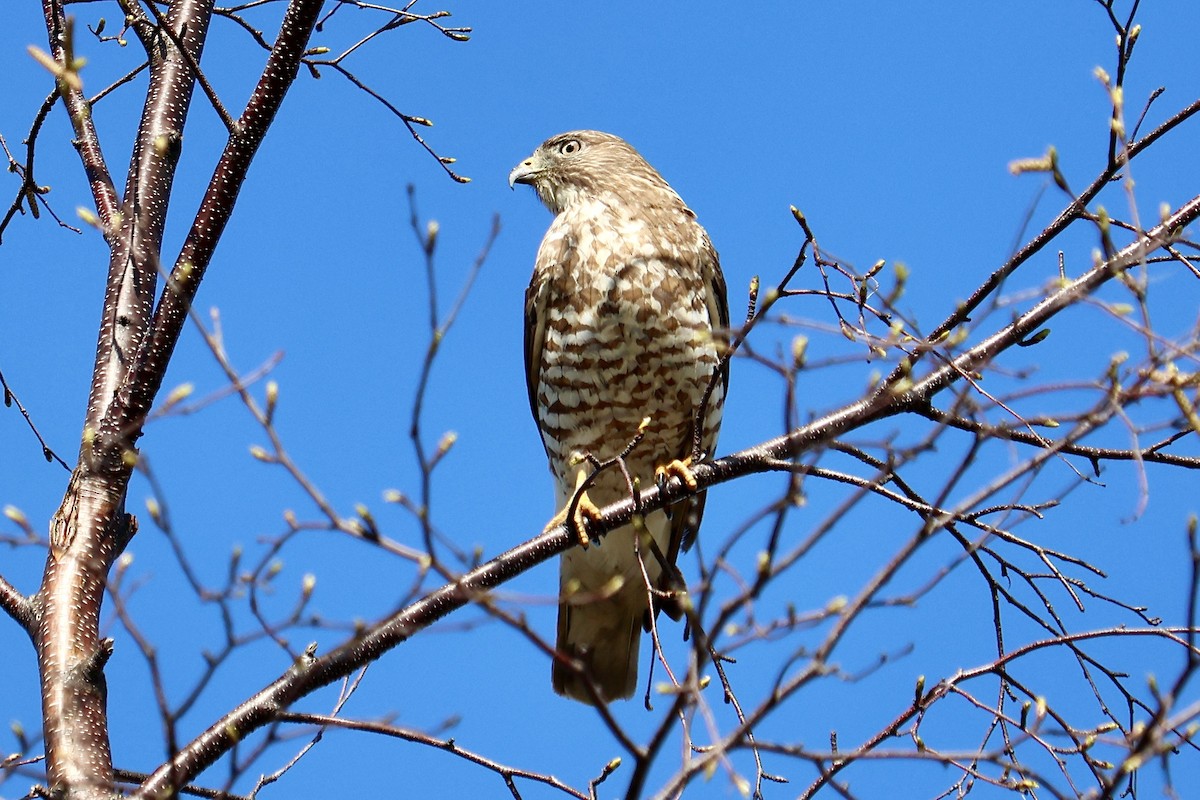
x=627 y=335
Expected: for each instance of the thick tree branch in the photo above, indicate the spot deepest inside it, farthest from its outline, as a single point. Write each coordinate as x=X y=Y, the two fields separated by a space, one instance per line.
x=84 y=538
x=136 y=239
x=137 y=394
x=90 y=528
x=87 y=141
x=17 y=606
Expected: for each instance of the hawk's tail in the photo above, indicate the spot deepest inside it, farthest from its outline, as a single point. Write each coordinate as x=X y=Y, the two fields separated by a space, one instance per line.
x=603 y=638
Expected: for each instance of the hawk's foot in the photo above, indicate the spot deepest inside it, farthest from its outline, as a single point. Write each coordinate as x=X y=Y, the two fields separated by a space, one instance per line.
x=676 y=469
x=585 y=510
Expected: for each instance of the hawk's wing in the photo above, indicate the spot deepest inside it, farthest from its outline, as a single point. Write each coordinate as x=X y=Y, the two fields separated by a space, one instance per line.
x=535 y=335
x=686 y=514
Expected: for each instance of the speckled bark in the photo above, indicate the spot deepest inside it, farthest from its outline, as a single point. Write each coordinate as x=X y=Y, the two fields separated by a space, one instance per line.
x=87 y=143
x=135 y=343
x=71 y=656
x=280 y=71
x=136 y=241
x=90 y=527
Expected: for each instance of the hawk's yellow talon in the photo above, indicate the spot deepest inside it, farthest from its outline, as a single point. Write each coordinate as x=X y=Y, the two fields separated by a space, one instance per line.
x=677 y=469
x=585 y=509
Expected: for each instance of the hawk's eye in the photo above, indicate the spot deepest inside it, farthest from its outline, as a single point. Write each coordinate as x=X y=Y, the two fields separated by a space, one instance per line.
x=570 y=147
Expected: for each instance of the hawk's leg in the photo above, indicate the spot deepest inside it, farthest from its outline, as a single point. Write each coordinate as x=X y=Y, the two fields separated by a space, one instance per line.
x=676 y=468
x=585 y=509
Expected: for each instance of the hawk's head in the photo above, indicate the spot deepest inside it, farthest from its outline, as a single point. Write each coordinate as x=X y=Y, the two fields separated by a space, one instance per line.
x=579 y=166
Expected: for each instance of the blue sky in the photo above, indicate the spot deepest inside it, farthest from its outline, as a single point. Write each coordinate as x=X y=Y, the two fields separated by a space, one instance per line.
x=890 y=125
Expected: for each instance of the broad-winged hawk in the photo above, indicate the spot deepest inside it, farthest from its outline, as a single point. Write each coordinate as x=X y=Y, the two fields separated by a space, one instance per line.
x=625 y=318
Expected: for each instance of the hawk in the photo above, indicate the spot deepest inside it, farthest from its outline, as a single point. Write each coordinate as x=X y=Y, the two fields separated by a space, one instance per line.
x=624 y=323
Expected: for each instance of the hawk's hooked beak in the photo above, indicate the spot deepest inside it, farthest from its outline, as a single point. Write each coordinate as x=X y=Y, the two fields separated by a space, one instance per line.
x=525 y=172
